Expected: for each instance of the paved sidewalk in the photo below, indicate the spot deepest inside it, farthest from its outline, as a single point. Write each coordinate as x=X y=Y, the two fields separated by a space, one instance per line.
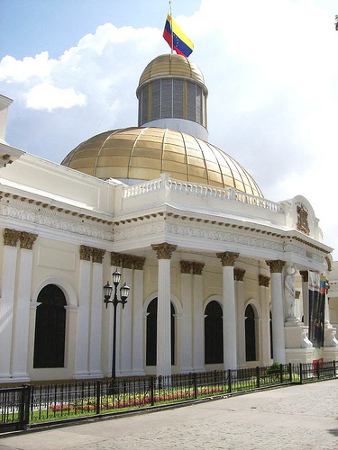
x=296 y=417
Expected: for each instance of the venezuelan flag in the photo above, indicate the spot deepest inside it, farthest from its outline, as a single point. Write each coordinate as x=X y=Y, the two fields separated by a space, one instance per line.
x=181 y=43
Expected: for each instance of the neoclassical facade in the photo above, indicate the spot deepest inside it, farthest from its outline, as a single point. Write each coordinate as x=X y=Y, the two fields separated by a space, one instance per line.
x=207 y=258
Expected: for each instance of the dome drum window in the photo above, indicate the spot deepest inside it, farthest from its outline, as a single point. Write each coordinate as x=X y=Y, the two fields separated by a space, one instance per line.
x=172 y=98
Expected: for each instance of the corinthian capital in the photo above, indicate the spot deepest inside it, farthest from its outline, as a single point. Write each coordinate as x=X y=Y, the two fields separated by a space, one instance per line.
x=164 y=250
x=227 y=258
x=11 y=237
x=27 y=240
x=276 y=266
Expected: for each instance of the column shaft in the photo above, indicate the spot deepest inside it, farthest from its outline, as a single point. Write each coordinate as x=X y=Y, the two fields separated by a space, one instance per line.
x=95 y=322
x=277 y=313
x=137 y=350
x=163 y=319
x=229 y=319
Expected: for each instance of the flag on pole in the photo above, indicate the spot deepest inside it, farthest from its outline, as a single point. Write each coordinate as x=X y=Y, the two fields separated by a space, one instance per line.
x=176 y=39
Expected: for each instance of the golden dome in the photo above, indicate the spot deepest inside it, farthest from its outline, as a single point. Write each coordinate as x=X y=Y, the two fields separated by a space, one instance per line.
x=171 y=65
x=145 y=153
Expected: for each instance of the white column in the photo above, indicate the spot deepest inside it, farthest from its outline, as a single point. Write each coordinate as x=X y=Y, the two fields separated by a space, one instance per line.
x=198 y=324
x=82 y=348
x=305 y=294
x=186 y=297
x=164 y=252
x=126 y=315
x=277 y=313
x=239 y=292
x=263 y=292
x=22 y=312
x=7 y=301
x=229 y=310
x=96 y=316
x=138 y=320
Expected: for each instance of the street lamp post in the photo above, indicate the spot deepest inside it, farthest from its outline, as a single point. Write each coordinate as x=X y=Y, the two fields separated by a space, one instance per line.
x=124 y=294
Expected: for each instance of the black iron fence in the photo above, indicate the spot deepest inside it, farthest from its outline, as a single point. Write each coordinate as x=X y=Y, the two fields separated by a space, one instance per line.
x=33 y=405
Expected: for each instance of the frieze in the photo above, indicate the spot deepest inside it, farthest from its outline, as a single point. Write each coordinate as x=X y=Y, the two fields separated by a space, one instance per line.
x=57 y=221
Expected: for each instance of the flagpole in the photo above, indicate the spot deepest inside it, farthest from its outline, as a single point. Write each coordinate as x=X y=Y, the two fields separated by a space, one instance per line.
x=171 y=26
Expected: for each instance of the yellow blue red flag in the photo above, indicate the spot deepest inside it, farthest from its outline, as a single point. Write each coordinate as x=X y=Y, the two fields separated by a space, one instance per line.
x=176 y=39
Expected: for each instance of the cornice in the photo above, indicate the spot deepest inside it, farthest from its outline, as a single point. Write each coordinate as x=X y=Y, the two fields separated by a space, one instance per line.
x=35 y=212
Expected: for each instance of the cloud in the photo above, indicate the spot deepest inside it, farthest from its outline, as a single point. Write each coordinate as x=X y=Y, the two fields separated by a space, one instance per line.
x=272 y=74
x=47 y=97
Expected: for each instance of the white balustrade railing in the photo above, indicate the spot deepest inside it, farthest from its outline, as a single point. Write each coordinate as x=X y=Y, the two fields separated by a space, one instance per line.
x=202 y=190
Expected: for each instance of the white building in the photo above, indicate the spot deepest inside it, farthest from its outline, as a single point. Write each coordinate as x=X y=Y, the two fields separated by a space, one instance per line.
x=205 y=254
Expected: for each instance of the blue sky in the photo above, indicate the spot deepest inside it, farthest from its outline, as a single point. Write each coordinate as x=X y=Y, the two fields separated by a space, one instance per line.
x=72 y=68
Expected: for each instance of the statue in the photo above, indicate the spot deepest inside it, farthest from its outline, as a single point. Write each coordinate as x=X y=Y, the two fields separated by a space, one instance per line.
x=290 y=291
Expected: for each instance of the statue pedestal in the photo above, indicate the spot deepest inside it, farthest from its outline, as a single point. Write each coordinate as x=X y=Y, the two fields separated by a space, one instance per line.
x=330 y=350
x=298 y=348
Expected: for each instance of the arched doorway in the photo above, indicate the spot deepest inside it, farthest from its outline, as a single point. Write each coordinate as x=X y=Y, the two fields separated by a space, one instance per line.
x=151 y=333
x=250 y=334
x=50 y=328
x=213 y=333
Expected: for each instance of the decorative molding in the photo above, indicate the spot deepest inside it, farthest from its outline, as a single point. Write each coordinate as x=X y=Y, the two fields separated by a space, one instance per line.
x=276 y=266
x=263 y=280
x=27 y=240
x=98 y=254
x=164 y=250
x=11 y=237
x=186 y=266
x=302 y=222
x=227 y=258
x=139 y=262
x=197 y=268
x=239 y=274
x=305 y=276
x=127 y=262
x=85 y=253
x=56 y=220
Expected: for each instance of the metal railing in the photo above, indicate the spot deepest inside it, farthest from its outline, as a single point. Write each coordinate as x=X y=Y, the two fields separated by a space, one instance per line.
x=32 y=405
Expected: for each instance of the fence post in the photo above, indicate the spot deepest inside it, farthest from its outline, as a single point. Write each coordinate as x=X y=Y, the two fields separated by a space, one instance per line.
x=258 y=377
x=229 y=380
x=318 y=370
x=98 y=396
x=152 y=400
x=334 y=369
x=290 y=373
x=281 y=373
x=301 y=373
x=195 y=385
x=25 y=406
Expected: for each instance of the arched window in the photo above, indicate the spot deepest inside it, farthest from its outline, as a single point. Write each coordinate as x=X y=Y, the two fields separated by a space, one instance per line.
x=250 y=334
x=151 y=333
x=50 y=327
x=213 y=333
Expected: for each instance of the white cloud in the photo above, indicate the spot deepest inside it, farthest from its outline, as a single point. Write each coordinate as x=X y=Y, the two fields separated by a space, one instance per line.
x=272 y=74
x=47 y=97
